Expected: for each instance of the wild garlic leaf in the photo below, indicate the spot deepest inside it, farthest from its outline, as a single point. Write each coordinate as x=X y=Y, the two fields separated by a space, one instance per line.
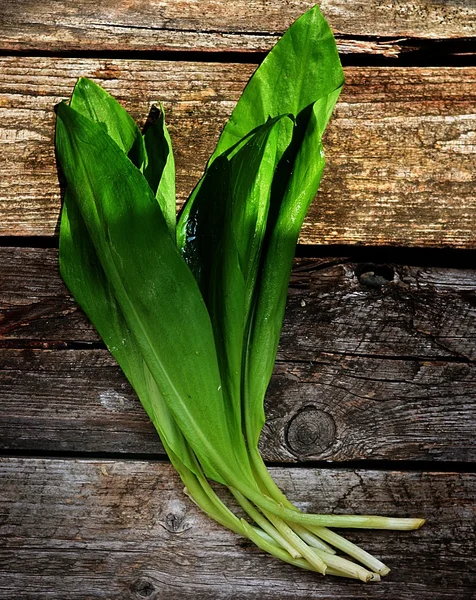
x=92 y=101
x=151 y=153
x=85 y=277
x=154 y=288
x=301 y=68
x=281 y=238
x=160 y=170
x=225 y=232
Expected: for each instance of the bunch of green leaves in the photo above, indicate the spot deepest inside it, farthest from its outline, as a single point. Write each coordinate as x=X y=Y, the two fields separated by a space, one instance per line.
x=192 y=309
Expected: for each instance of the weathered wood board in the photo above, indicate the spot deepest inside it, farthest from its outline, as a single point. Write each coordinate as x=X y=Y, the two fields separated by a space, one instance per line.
x=334 y=408
x=400 y=148
x=334 y=304
x=368 y=368
x=376 y=362
x=212 y=25
x=112 y=529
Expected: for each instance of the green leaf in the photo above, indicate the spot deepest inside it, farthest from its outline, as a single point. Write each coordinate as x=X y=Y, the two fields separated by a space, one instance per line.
x=151 y=153
x=85 y=277
x=154 y=288
x=160 y=170
x=90 y=100
x=271 y=293
x=225 y=232
x=301 y=68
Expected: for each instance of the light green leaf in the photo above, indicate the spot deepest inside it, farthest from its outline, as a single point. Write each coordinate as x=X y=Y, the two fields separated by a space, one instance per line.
x=154 y=288
x=93 y=102
x=301 y=68
x=85 y=278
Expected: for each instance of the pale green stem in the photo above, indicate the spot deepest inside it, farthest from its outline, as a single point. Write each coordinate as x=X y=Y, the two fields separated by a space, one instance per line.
x=345 y=566
x=265 y=543
x=301 y=546
x=265 y=525
x=268 y=485
x=311 y=539
x=284 y=511
x=352 y=550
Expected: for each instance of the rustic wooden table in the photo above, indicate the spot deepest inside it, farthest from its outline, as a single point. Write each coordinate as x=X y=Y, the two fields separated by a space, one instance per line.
x=372 y=405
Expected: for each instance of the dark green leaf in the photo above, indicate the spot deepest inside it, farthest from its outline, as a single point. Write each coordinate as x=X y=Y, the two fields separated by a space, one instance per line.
x=225 y=233
x=154 y=288
x=303 y=67
x=160 y=170
x=271 y=292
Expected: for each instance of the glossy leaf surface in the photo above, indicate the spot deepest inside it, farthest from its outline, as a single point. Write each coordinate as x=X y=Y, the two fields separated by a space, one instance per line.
x=85 y=277
x=225 y=233
x=284 y=225
x=301 y=68
x=155 y=290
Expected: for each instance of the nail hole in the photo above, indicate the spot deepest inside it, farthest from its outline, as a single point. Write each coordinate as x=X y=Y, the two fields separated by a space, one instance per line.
x=374 y=276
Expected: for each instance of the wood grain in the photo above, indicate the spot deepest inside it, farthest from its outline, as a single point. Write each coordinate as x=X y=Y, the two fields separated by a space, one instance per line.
x=211 y=25
x=375 y=362
x=100 y=529
x=401 y=151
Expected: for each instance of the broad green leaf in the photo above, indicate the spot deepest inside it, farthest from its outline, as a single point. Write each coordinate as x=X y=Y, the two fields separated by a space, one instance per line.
x=225 y=232
x=160 y=170
x=154 y=288
x=90 y=100
x=84 y=276
x=271 y=293
x=301 y=68
x=151 y=153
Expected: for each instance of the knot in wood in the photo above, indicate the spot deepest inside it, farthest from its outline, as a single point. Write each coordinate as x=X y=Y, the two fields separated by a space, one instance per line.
x=174 y=523
x=310 y=432
x=143 y=588
x=175 y=517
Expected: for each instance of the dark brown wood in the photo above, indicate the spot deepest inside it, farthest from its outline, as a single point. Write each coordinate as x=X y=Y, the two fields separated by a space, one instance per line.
x=376 y=366
x=335 y=408
x=400 y=148
x=335 y=305
x=124 y=530
x=211 y=25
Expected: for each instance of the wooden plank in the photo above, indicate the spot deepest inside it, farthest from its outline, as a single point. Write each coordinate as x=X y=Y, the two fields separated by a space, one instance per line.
x=335 y=408
x=213 y=25
x=400 y=148
x=364 y=372
x=101 y=529
x=334 y=305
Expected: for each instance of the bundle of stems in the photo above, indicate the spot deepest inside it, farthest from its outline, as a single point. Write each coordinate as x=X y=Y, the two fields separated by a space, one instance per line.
x=192 y=308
